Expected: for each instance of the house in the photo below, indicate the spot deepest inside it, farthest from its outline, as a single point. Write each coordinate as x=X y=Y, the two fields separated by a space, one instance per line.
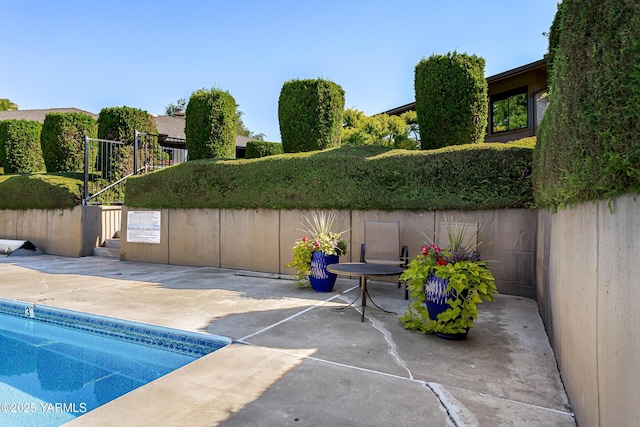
x=38 y=115
x=517 y=102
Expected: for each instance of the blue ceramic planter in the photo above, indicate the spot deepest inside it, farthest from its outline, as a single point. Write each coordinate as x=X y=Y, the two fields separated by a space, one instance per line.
x=321 y=280
x=435 y=295
x=436 y=300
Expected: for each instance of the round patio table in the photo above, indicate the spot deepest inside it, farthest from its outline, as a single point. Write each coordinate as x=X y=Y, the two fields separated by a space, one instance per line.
x=363 y=270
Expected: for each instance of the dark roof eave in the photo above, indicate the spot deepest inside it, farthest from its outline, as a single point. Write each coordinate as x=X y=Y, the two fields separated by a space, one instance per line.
x=509 y=73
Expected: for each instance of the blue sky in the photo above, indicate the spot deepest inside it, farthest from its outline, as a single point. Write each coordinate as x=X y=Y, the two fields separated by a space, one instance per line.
x=148 y=54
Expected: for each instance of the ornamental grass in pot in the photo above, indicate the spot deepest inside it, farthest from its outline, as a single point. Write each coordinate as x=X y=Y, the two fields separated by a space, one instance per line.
x=318 y=248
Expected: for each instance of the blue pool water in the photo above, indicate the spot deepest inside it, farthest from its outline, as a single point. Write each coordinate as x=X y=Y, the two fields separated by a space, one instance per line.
x=56 y=365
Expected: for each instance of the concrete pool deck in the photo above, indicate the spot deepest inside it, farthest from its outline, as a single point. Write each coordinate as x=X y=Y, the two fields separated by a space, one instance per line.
x=295 y=360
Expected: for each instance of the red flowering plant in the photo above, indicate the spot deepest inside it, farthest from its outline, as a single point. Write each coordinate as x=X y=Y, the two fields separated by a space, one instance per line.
x=321 y=239
x=437 y=257
x=469 y=282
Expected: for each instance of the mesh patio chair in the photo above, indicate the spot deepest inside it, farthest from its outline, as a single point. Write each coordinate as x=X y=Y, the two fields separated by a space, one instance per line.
x=382 y=246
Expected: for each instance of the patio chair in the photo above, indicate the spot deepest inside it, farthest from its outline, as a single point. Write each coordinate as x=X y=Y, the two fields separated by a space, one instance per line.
x=382 y=246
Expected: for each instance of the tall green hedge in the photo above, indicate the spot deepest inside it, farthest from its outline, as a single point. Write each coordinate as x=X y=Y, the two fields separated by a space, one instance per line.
x=119 y=123
x=211 y=125
x=310 y=115
x=588 y=146
x=20 y=150
x=451 y=100
x=256 y=149
x=62 y=140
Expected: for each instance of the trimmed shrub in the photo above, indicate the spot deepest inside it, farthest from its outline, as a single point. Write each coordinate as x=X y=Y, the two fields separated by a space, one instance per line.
x=62 y=140
x=40 y=191
x=451 y=100
x=310 y=115
x=587 y=145
x=211 y=125
x=465 y=177
x=120 y=124
x=256 y=149
x=20 y=150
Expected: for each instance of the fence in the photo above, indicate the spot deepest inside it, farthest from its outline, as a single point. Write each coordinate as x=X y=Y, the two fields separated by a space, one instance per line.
x=108 y=164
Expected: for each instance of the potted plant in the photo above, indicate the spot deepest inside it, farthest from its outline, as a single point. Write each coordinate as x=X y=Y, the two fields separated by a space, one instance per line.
x=446 y=286
x=319 y=248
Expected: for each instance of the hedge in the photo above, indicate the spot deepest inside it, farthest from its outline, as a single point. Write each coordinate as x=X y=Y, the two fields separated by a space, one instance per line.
x=119 y=123
x=588 y=146
x=310 y=115
x=40 y=191
x=20 y=150
x=257 y=149
x=211 y=125
x=469 y=177
x=62 y=140
x=451 y=100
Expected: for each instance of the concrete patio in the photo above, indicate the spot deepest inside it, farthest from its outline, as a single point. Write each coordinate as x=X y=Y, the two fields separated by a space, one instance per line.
x=297 y=361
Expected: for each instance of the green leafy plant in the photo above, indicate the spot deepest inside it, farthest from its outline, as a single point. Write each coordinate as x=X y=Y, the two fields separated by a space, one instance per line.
x=321 y=239
x=451 y=100
x=20 y=150
x=463 y=177
x=62 y=140
x=257 y=149
x=469 y=283
x=310 y=115
x=211 y=124
x=587 y=147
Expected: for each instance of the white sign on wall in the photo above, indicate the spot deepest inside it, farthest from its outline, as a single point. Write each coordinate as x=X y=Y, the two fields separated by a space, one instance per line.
x=143 y=226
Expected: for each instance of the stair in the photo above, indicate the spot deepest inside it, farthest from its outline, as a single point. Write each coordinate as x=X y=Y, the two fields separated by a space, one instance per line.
x=110 y=249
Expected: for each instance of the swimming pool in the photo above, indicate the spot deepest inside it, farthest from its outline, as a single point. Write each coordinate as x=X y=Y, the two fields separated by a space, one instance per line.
x=56 y=365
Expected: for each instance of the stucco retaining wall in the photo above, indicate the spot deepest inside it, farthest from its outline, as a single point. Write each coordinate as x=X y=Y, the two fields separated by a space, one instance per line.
x=588 y=287
x=69 y=232
x=261 y=239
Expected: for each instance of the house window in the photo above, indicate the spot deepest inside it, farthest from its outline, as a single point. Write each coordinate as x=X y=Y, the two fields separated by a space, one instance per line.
x=509 y=110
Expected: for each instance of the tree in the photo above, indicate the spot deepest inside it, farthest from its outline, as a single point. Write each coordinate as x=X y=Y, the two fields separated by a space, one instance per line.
x=244 y=131
x=171 y=109
x=7 y=105
x=382 y=129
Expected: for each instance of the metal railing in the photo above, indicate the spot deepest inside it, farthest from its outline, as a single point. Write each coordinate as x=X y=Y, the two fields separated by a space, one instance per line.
x=108 y=164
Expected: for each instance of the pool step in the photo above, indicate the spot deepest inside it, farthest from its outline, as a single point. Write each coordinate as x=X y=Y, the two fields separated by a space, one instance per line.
x=110 y=249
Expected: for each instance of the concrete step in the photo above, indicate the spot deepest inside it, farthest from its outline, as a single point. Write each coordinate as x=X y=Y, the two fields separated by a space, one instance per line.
x=110 y=249
x=106 y=252
x=112 y=243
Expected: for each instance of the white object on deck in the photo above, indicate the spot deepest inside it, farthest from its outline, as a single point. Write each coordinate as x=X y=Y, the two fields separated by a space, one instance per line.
x=18 y=247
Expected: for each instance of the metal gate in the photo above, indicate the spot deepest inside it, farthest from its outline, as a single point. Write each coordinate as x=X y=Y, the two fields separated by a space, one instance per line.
x=108 y=164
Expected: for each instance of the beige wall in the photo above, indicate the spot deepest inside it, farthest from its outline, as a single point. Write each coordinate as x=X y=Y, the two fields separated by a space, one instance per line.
x=261 y=239
x=588 y=286
x=69 y=232
x=98 y=224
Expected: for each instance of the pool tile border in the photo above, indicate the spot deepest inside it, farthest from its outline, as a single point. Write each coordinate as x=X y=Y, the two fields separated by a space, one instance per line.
x=177 y=341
